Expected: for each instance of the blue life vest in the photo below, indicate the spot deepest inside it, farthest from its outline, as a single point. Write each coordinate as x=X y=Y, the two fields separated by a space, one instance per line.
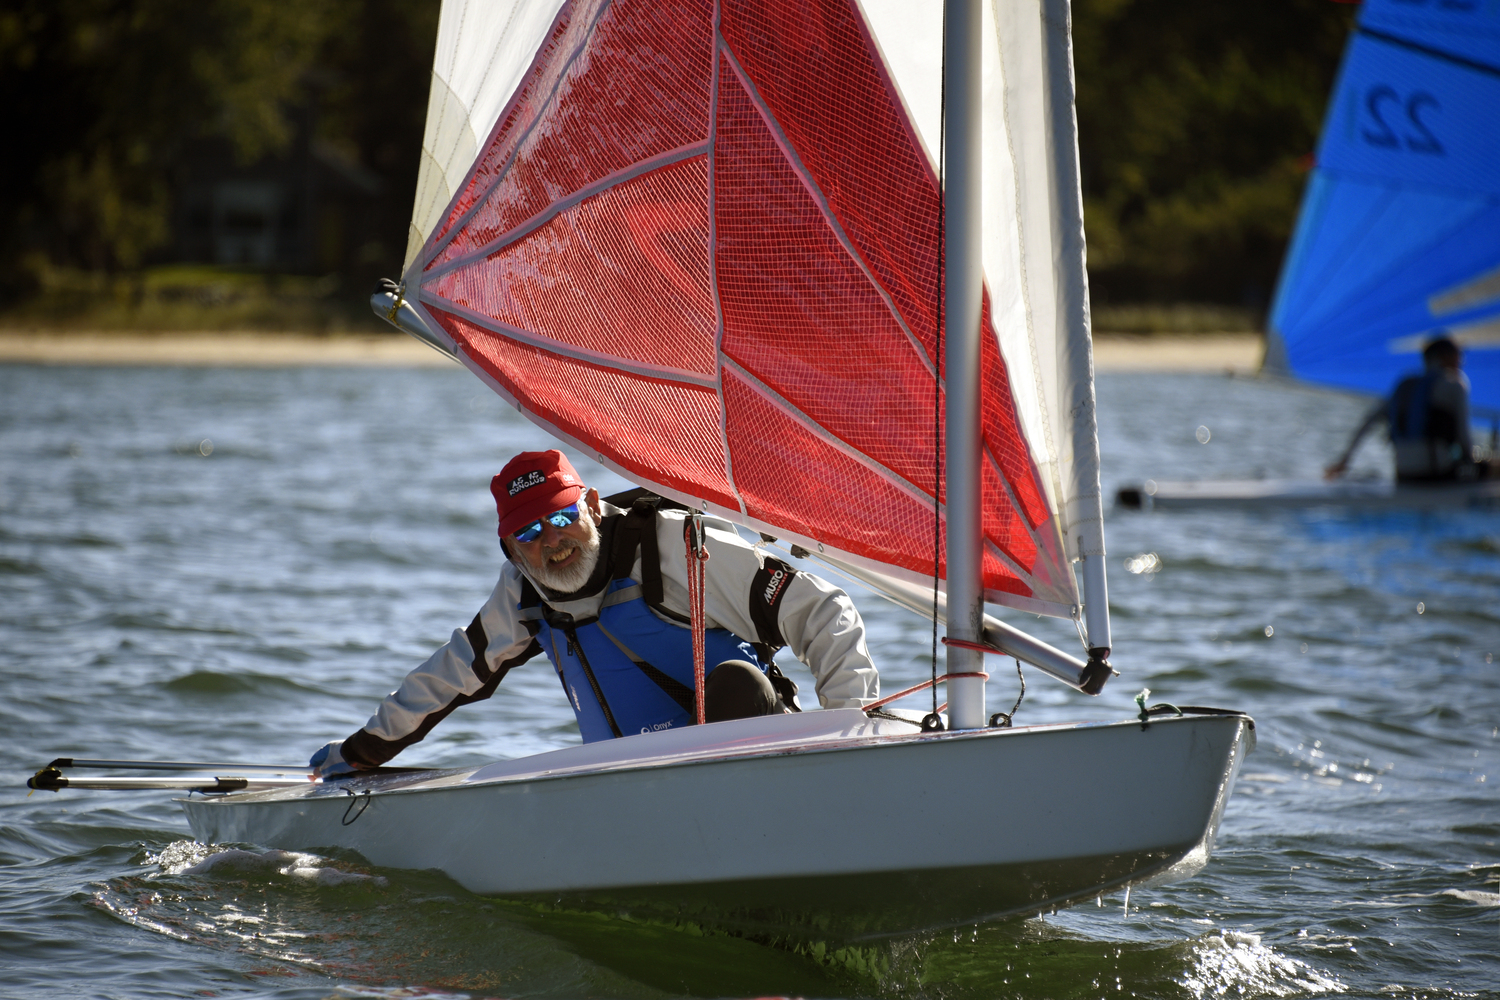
x=1409 y=406
x=1413 y=415
x=627 y=671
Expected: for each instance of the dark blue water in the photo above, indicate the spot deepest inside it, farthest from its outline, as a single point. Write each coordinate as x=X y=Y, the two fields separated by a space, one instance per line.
x=238 y=564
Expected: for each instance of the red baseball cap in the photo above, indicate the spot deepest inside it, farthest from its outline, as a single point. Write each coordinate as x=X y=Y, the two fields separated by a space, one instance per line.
x=533 y=485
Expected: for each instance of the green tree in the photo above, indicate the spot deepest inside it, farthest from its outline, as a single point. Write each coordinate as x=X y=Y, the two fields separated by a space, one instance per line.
x=103 y=96
x=373 y=76
x=1196 y=126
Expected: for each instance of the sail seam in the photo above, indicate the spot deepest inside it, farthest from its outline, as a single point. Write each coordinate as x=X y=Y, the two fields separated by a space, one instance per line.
x=430 y=247
x=1356 y=235
x=1010 y=493
x=1012 y=565
x=554 y=428
x=641 y=369
x=882 y=69
x=713 y=264
x=442 y=171
x=804 y=177
x=440 y=245
x=1428 y=50
x=556 y=208
x=780 y=402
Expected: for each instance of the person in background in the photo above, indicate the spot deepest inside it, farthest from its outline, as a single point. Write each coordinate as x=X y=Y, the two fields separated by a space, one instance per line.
x=602 y=591
x=1427 y=417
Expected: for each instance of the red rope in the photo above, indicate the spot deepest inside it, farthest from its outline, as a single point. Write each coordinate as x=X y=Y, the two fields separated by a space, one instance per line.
x=697 y=556
x=978 y=647
x=923 y=687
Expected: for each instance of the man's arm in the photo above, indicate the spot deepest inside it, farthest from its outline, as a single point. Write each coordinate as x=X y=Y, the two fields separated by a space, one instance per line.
x=815 y=619
x=466 y=669
x=823 y=629
x=1375 y=416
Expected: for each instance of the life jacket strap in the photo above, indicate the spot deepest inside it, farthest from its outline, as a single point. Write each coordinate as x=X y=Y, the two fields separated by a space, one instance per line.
x=564 y=622
x=670 y=686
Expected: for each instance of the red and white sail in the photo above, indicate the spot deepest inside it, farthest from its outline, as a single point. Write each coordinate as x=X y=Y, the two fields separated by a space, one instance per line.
x=701 y=241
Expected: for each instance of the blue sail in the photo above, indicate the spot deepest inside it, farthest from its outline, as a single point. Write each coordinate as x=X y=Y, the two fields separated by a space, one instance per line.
x=1399 y=234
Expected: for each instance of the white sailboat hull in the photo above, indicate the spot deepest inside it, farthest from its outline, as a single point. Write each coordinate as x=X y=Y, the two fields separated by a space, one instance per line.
x=827 y=824
x=1372 y=494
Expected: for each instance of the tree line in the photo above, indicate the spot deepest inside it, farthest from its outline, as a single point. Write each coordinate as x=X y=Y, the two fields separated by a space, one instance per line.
x=1197 y=123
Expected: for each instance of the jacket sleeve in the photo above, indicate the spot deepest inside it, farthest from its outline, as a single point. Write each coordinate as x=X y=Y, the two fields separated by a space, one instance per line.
x=467 y=668
x=1380 y=411
x=815 y=619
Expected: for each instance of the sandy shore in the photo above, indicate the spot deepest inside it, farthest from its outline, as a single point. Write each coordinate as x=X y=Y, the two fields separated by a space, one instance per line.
x=1238 y=353
x=264 y=350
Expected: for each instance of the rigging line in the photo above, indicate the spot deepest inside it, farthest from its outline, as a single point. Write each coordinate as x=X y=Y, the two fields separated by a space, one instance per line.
x=937 y=367
x=1007 y=719
x=924 y=684
x=713 y=255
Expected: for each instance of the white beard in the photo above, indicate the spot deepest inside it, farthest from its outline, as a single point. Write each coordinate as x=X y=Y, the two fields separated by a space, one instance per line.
x=569 y=578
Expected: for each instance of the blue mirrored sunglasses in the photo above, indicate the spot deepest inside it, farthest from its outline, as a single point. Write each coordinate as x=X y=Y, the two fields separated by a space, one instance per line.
x=558 y=519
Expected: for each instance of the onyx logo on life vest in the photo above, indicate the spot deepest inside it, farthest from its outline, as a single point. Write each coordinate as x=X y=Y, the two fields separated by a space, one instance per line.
x=526 y=482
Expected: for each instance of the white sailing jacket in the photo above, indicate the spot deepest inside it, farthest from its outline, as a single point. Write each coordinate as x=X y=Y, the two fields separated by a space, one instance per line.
x=816 y=620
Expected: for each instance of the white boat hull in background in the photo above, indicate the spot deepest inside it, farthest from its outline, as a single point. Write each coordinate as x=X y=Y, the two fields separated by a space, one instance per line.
x=1372 y=494
x=821 y=825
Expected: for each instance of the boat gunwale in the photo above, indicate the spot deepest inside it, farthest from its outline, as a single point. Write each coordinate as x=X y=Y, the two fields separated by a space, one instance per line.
x=655 y=764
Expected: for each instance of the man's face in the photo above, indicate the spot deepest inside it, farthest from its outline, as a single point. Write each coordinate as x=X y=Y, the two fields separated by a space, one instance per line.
x=563 y=559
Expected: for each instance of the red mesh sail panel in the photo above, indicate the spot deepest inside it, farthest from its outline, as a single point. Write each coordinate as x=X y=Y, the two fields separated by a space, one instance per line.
x=712 y=258
x=814 y=66
x=614 y=86
x=799 y=311
x=623 y=273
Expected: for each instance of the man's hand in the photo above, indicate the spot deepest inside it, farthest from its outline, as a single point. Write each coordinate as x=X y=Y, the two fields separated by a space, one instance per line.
x=328 y=762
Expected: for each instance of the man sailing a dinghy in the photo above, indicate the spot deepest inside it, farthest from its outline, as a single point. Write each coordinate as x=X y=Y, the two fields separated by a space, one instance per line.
x=1428 y=419
x=602 y=591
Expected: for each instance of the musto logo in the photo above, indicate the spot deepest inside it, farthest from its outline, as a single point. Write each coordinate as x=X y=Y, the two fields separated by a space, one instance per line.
x=532 y=478
x=773 y=588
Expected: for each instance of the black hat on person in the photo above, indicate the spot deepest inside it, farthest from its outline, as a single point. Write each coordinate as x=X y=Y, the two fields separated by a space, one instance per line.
x=1441 y=348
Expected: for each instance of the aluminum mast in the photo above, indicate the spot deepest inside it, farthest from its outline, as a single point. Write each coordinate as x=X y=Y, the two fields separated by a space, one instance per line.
x=962 y=33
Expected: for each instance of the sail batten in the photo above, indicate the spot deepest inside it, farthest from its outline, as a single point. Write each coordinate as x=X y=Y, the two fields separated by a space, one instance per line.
x=699 y=240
